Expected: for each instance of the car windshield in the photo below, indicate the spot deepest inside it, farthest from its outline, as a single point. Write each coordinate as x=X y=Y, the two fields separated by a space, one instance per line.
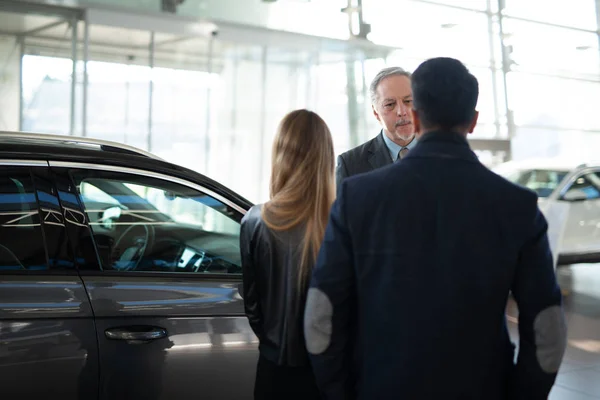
x=541 y=181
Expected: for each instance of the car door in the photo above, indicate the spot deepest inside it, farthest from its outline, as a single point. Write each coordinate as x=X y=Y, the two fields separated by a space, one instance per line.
x=169 y=314
x=47 y=334
x=581 y=238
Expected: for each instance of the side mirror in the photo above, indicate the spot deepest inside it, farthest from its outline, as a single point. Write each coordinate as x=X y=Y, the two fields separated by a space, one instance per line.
x=109 y=216
x=575 y=195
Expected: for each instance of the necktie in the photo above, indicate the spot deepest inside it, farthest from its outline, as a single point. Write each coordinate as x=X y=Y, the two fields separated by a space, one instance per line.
x=403 y=152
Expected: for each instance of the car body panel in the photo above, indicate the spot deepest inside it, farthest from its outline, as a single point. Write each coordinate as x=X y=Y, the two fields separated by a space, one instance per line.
x=574 y=226
x=47 y=335
x=210 y=350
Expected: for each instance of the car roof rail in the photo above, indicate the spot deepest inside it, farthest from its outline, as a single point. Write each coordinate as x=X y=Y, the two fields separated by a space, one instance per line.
x=104 y=145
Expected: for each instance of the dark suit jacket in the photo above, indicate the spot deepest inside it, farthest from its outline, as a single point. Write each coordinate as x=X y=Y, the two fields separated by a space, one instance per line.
x=413 y=278
x=364 y=158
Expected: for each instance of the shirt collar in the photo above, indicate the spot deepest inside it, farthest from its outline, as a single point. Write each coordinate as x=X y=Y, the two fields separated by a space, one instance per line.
x=394 y=148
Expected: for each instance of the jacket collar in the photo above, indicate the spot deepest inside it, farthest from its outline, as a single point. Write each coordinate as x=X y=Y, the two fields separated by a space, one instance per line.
x=443 y=144
x=379 y=155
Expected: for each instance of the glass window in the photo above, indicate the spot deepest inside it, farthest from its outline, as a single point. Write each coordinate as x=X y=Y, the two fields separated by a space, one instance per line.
x=147 y=224
x=585 y=187
x=472 y=4
x=577 y=13
x=427 y=30
x=21 y=240
x=541 y=181
x=541 y=101
x=547 y=49
x=573 y=146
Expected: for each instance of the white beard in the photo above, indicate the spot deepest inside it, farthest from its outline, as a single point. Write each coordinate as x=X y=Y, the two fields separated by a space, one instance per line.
x=405 y=136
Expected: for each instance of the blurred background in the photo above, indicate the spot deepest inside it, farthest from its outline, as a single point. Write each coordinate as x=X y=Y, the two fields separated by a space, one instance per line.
x=204 y=82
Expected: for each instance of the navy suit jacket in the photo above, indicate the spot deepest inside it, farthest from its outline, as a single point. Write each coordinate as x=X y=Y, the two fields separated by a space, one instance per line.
x=408 y=296
x=364 y=158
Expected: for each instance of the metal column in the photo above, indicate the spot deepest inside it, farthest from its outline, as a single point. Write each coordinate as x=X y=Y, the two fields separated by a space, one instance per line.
x=234 y=90
x=352 y=94
x=308 y=67
x=86 y=54
x=598 y=22
x=74 y=34
x=505 y=70
x=491 y=36
x=150 y=92
x=234 y=112
x=366 y=99
x=21 y=45
x=293 y=79
x=315 y=82
x=263 y=116
x=211 y=44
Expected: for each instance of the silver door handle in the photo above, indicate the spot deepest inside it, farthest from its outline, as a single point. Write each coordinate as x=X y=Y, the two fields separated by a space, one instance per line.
x=136 y=333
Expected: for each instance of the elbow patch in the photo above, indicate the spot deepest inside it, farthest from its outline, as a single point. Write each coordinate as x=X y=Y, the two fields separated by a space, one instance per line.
x=317 y=321
x=550 y=338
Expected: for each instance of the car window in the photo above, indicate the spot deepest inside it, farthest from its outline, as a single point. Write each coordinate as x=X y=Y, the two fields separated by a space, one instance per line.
x=147 y=224
x=21 y=241
x=586 y=186
x=541 y=181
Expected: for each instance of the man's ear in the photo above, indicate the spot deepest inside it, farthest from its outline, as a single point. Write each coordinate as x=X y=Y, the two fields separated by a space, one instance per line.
x=415 y=121
x=375 y=113
x=473 y=122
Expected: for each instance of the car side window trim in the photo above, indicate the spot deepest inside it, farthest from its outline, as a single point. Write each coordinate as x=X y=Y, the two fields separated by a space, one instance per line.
x=24 y=163
x=150 y=174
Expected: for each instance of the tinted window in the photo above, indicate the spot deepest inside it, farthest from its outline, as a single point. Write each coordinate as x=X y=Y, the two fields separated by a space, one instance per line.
x=147 y=224
x=53 y=222
x=79 y=232
x=21 y=240
x=541 y=181
x=586 y=186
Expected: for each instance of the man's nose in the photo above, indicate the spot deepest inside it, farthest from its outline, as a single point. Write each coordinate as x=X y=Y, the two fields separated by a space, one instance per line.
x=402 y=110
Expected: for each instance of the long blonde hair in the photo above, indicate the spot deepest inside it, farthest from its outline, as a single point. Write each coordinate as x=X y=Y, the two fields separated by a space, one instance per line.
x=302 y=186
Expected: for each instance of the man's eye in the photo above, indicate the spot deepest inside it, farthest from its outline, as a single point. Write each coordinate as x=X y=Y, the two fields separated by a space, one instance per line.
x=408 y=101
x=389 y=105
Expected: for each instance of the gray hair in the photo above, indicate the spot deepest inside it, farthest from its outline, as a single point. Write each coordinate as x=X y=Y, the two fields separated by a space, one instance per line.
x=384 y=73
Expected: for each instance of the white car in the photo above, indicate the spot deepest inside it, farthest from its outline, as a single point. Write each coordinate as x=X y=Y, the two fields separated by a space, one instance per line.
x=569 y=197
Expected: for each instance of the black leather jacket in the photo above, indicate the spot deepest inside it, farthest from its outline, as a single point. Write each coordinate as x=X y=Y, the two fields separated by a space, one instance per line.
x=273 y=305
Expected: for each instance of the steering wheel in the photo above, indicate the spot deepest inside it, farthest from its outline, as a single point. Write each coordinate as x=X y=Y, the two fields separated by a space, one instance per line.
x=131 y=246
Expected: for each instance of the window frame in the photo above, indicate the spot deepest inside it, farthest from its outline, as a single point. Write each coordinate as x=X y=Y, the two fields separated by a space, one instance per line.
x=68 y=166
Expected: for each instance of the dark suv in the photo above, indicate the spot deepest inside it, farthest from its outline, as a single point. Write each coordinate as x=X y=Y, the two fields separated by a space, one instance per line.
x=120 y=276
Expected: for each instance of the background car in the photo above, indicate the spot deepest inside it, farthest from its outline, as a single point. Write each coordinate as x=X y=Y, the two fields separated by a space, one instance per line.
x=120 y=276
x=569 y=196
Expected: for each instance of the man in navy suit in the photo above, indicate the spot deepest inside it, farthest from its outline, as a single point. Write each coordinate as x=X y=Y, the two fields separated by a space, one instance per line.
x=408 y=296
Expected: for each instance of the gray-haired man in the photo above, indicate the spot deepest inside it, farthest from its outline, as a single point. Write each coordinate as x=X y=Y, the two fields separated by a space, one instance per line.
x=391 y=99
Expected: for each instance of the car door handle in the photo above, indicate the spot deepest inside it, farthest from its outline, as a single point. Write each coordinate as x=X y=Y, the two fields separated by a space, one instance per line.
x=136 y=334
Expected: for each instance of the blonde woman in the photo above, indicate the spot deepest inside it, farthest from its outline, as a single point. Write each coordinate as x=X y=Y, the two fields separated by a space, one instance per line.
x=279 y=243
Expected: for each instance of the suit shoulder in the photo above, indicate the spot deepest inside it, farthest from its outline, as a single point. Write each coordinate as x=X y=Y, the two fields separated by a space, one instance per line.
x=374 y=181
x=509 y=187
x=358 y=150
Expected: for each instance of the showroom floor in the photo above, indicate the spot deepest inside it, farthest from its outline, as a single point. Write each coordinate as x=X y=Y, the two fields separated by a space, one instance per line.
x=579 y=376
